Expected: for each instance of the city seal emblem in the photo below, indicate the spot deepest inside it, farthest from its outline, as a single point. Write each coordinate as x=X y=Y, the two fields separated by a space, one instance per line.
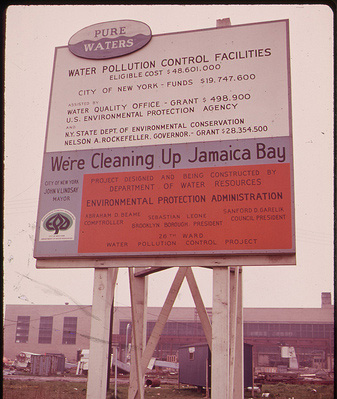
x=57 y=225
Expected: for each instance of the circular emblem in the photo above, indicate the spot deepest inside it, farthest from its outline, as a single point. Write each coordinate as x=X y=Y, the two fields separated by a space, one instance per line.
x=57 y=221
x=57 y=225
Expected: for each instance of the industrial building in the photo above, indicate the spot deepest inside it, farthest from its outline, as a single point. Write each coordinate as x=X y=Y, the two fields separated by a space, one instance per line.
x=66 y=329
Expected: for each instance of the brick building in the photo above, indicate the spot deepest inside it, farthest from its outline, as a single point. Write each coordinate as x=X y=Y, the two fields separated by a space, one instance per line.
x=66 y=329
x=46 y=329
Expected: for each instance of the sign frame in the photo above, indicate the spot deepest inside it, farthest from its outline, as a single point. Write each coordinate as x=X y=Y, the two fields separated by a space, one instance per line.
x=173 y=259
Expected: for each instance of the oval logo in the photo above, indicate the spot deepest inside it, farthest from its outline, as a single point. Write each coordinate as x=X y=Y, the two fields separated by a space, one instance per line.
x=110 y=39
x=57 y=222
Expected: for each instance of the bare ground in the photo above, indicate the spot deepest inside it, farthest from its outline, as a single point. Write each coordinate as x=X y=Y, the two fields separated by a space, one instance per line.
x=32 y=387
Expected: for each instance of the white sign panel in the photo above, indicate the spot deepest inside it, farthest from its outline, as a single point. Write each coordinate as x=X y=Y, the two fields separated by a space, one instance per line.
x=217 y=84
x=183 y=147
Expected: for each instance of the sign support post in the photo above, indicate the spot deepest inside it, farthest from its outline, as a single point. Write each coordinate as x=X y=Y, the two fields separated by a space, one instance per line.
x=138 y=291
x=143 y=361
x=115 y=354
x=203 y=316
x=104 y=285
x=224 y=336
x=233 y=327
x=227 y=334
x=238 y=380
x=220 y=333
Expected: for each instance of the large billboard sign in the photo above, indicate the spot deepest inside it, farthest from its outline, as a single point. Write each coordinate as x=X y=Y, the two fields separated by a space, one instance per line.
x=182 y=146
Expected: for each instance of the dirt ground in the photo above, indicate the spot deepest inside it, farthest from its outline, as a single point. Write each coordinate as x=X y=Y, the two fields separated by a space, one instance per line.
x=75 y=388
x=32 y=387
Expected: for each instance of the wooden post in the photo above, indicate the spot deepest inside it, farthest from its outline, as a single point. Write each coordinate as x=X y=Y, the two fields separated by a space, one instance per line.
x=157 y=330
x=139 y=292
x=110 y=345
x=162 y=318
x=104 y=285
x=253 y=367
x=222 y=360
x=199 y=304
x=115 y=354
x=233 y=324
x=220 y=333
x=226 y=331
x=238 y=383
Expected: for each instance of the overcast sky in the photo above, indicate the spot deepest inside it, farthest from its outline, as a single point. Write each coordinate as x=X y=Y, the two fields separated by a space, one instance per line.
x=33 y=32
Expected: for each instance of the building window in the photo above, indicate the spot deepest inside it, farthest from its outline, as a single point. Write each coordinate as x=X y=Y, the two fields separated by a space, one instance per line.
x=45 y=330
x=22 y=329
x=306 y=330
x=318 y=331
x=69 y=330
x=329 y=331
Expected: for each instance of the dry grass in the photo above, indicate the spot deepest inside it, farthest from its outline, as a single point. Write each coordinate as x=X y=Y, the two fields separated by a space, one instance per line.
x=289 y=391
x=32 y=389
x=15 y=389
